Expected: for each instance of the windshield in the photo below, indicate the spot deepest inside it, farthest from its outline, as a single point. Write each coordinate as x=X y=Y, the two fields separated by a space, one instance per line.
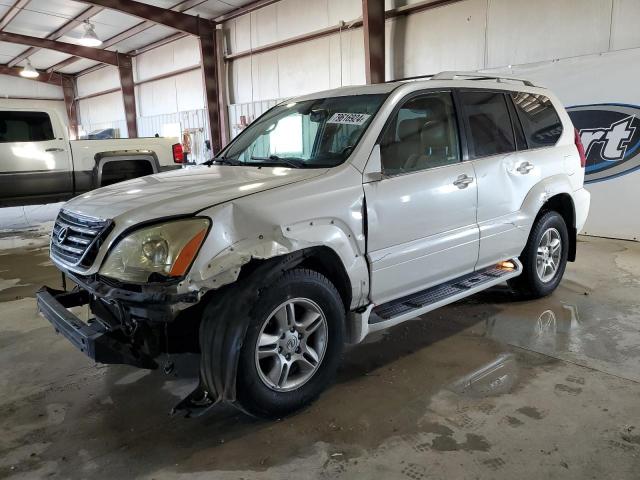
x=316 y=133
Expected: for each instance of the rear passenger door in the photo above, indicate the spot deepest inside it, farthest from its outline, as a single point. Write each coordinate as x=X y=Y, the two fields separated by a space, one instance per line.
x=35 y=166
x=506 y=168
x=421 y=215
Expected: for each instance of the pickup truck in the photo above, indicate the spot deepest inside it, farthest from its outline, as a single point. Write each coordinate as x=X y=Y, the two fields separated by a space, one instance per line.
x=39 y=164
x=332 y=216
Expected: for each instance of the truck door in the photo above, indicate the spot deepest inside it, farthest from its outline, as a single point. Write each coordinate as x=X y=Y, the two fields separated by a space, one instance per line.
x=421 y=214
x=35 y=164
x=508 y=161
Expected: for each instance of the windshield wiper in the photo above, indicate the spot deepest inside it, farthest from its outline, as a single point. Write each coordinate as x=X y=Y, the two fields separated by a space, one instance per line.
x=221 y=161
x=292 y=162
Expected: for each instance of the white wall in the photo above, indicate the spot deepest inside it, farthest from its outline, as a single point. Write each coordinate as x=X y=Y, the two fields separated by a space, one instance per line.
x=102 y=111
x=16 y=87
x=180 y=93
x=468 y=35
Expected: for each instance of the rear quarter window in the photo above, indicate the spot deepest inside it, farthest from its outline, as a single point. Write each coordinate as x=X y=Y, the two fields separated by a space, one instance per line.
x=540 y=121
x=25 y=127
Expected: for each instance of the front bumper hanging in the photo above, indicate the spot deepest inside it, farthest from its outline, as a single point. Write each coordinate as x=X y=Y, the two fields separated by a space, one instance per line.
x=92 y=338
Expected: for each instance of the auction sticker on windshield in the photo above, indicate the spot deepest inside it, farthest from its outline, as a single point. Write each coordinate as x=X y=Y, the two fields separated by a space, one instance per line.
x=349 y=118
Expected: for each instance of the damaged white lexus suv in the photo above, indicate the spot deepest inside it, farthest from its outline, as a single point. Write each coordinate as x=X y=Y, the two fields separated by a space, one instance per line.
x=331 y=216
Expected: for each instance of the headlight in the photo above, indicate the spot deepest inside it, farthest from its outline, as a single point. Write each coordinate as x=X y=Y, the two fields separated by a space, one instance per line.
x=167 y=249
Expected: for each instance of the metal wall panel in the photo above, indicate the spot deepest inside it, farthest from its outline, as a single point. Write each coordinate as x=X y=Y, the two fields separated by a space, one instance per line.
x=625 y=32
x=99 y=81
x=446 y=38
x=174 y=56
x=521 y=31
x=22 y=88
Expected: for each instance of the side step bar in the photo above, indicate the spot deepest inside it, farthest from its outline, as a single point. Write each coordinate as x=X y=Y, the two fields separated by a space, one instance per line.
x=387 y=315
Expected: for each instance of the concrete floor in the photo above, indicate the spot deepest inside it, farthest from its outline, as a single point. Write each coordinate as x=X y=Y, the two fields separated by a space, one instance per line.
x=486 y=388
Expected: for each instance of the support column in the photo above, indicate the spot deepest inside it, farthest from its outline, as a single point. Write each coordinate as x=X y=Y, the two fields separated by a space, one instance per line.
x=373 y=22
x=225 y=131
x=69 y=92
x=208 y=54
x=125 y=69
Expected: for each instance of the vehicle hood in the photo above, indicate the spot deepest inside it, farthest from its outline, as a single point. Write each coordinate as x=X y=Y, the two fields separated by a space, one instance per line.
x=183 y=191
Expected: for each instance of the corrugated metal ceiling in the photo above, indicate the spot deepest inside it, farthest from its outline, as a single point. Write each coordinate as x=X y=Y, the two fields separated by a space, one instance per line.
x=41 y=18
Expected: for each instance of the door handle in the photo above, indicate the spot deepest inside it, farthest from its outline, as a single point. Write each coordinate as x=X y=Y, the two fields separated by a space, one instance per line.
x=525 y=168
x=54 y=150
x=463 y=181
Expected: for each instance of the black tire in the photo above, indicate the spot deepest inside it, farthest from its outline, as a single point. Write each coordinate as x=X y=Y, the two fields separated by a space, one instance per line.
x=252 y=394
x=529 y=285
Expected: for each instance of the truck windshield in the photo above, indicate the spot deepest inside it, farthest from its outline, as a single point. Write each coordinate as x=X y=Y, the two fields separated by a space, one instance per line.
x=317 y=133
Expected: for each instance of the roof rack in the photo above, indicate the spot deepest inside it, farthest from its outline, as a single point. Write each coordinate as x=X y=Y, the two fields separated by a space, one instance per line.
x=479 y=76
x=406 y=79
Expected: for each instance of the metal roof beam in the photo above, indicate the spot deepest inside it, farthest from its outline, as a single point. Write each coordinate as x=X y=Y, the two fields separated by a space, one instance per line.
x=50 y=78
x=161 y=16
x=96 y=54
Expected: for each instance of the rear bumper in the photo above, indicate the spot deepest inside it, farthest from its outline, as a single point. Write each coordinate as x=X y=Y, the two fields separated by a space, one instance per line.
x=91 y=338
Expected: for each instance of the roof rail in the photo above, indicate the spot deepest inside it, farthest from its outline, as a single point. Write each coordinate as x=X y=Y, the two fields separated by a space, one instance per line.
x=406 y=79
x=479 y=76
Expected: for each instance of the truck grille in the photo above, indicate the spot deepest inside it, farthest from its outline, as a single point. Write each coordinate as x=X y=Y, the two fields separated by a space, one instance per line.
x=76 y=239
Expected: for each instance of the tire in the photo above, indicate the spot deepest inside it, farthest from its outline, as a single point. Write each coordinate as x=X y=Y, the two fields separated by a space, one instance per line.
x=309 y=295
x=532 y=283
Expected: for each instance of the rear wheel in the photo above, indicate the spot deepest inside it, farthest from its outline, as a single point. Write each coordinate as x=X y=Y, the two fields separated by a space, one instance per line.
x=544 y=258
x=293 y=344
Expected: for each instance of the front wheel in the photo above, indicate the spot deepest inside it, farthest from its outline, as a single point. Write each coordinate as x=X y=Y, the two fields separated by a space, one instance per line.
x=544 y=258
x=293 y=344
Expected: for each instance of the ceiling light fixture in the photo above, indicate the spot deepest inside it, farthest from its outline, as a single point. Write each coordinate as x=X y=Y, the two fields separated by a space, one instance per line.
x=28 y=71
x=89 y=37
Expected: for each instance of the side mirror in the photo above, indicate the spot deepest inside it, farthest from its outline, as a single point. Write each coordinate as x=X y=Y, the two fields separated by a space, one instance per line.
x=373 y=169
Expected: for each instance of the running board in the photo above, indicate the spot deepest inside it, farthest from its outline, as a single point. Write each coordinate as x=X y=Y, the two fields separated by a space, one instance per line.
x=405 y=308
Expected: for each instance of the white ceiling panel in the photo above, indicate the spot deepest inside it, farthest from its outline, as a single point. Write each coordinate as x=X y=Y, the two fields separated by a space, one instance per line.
x=41 y=17
x=215 y=8
x=107 y=23
x=155 y=33
x=160 y=3
x=47 y=58
x=8 y=51
x=78 y=66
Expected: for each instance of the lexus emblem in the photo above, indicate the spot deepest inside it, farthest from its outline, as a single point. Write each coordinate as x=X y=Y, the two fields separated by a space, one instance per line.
x=62 y=234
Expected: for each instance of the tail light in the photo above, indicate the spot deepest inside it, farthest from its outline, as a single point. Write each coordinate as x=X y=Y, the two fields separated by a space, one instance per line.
x=580 y=147
x=178 y=153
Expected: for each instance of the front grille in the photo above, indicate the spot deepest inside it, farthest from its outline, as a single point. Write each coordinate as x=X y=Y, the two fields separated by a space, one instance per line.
x=75 y=239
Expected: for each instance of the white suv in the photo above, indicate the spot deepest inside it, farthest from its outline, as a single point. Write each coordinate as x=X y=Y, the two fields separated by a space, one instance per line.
x=331 y=216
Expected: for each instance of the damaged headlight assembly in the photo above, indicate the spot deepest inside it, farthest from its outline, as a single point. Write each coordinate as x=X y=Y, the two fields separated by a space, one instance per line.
x=164 y=250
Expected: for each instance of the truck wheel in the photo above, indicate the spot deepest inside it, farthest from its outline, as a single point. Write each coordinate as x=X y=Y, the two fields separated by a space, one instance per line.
x=544 y=258
x=293 y=344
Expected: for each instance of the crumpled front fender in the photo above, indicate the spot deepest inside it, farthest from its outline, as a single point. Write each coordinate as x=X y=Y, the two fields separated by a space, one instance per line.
x=239 y=236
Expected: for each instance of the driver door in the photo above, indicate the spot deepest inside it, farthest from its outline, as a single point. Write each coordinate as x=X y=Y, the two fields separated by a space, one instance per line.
x=422 y=228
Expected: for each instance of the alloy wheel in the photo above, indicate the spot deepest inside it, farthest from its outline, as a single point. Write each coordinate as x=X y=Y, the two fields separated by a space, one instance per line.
x=291 y=344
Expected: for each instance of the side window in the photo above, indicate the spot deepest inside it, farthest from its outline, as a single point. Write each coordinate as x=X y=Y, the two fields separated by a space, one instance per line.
x=540 y=121
x=25 y=127
x=490 y=129
x=423 y=134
